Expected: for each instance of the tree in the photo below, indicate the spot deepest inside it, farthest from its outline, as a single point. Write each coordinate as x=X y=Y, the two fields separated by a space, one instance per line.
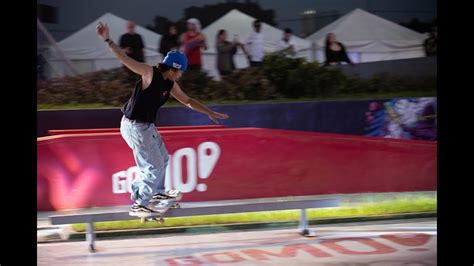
x=419 y=26
x=210 y=13
x=159 y=25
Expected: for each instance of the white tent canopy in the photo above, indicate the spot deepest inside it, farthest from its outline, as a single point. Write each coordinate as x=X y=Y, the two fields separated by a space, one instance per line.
x=240 y=24
x=370 y=38
x=89 y=53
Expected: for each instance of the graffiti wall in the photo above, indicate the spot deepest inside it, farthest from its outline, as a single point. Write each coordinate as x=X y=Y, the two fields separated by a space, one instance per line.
x=402 y=119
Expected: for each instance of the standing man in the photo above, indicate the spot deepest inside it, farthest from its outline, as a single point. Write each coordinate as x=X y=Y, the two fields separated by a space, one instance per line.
x=225 y=53
x=132 y=43
x=287 y=44
x=169 y=40
x=255 y=45
x=151 y=91
x=431 y=44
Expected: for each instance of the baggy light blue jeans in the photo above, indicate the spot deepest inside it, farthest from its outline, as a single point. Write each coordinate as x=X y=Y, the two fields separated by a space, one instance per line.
x=150 y=156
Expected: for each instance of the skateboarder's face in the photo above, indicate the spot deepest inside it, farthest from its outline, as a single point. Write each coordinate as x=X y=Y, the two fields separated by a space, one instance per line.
x=175 y=74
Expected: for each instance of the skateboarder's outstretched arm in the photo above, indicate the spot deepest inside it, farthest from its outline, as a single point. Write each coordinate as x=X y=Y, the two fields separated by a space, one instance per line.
x=179 y=95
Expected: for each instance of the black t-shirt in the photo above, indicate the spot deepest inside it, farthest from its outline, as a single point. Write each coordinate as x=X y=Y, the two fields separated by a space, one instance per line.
x=144 y=104
x=336 y=56
x=135 y=42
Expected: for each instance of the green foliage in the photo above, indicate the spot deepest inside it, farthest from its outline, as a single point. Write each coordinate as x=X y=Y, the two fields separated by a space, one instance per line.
x=278 y=77
x=112 y=87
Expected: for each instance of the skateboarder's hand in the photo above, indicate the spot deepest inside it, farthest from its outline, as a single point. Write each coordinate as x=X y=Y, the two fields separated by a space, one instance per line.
x=215 y=115
x=102 y=30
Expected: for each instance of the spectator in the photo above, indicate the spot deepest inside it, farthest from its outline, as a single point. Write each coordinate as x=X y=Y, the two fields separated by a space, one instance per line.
x=255 y=45
x=40 y=67
x=335 y=51
x=193 y=40
x=132 y=43
x=169 y=41
x=287 y=44
x=225 y=53
x=431 y=44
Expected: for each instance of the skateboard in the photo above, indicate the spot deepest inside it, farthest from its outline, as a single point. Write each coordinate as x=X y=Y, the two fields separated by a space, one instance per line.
x=161 y=207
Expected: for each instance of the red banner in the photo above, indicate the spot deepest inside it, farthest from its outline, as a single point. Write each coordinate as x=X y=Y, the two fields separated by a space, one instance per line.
x=89 y=170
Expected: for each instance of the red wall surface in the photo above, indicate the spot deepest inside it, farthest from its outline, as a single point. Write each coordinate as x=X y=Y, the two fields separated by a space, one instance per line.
x=53 y=132
x=95 y=169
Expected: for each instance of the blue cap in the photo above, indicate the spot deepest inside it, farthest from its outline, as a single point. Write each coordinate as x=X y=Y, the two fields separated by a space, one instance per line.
x=176 y=59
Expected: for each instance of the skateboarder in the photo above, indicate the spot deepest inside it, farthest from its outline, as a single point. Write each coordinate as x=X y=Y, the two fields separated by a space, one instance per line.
x=151 y=91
